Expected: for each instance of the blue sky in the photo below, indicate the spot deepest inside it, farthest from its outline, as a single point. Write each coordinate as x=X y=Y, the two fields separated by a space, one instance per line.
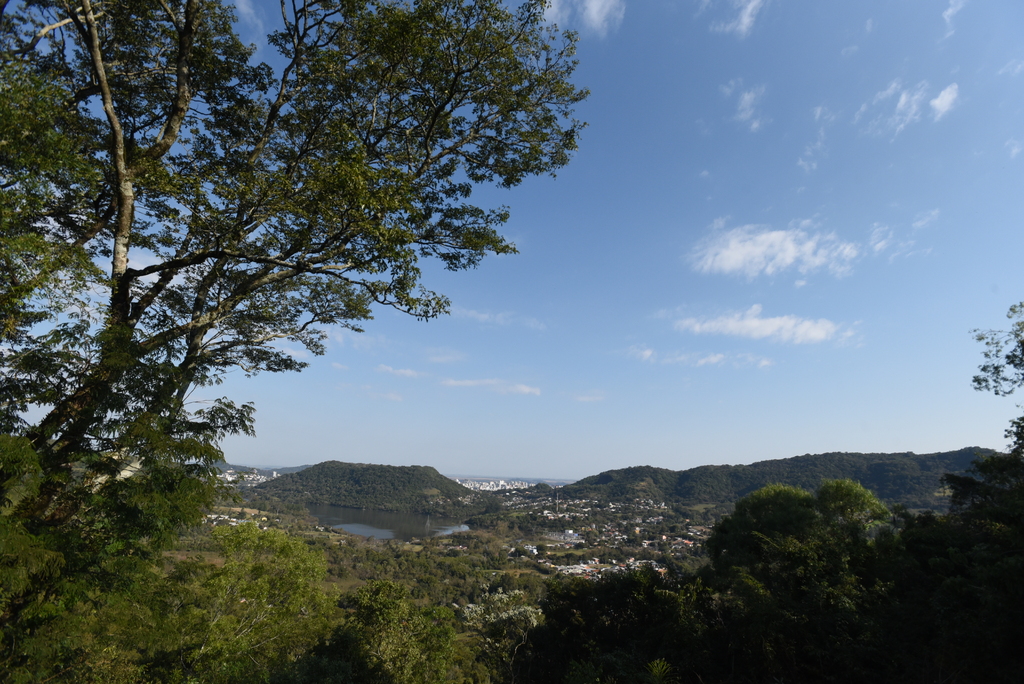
x=784 y=220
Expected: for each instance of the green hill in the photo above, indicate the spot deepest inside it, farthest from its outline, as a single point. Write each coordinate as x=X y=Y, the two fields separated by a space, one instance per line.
x=909 y=479
x=419 y=489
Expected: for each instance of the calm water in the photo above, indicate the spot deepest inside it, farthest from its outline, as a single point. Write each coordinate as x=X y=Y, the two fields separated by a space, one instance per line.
x=385 y=524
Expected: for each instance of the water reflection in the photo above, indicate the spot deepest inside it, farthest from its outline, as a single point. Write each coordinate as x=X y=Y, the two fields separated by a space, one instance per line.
x=385 y=524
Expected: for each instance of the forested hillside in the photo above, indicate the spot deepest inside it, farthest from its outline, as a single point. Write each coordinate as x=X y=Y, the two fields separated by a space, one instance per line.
x=912 y=480
x=419 y=489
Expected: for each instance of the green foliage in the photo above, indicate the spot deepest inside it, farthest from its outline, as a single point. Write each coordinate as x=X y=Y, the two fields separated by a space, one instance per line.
x=419 y=489
x=386 y=640
x=237 y=621
x=503 y=622
x=611 y=629
x=909 y=479
x=1003 y=370
x=237 y=206
x=799 y=569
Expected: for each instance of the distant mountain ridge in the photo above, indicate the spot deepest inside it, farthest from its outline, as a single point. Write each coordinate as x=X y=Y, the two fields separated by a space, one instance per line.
x=419 y=489
x=906 y=478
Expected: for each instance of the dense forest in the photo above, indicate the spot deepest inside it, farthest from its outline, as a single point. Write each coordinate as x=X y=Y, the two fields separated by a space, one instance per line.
x=418 y=489
x=794 y=585
x=911 y=480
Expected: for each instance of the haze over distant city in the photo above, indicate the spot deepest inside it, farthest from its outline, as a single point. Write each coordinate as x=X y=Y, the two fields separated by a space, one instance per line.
x=783 y=221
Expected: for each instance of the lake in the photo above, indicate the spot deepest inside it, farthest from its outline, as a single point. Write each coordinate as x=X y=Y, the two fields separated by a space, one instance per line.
x=384 y=524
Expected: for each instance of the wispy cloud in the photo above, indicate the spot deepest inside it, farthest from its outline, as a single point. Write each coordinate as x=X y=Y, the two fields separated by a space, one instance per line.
x=700 y=360
x=954 y=7
x=753 y=360
x=747 y=103
x=924 y=218
x=1013 y=67
x=881 y=238
x=295 y=352
x=754 y=250
x=401 y=372
x=808 y=161
x=944 y=101
x=504 y=318
x=247 y=13
x=752 y=324
x=743 y=22
x=884 y=239
x=443 y=355
x=906 y=111
x=359 y=341
x=494 y=384
x=1014 y=147
x=598 y=16
x=822 y=113
x=643 y=353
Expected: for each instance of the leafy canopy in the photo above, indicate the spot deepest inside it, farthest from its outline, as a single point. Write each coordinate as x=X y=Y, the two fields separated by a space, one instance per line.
x=173 y=209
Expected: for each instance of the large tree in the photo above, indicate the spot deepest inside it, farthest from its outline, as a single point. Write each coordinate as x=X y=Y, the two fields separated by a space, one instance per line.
x=171 y=209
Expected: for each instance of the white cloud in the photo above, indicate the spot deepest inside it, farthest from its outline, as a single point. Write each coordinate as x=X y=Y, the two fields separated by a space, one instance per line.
x=746 y=108
x=598 y=16
x=822 y=113
x=945 y=100
x=884 y=239
x=951 y=11
x=444 y=355
x=504 y=318
x=746 y=104
x=1013 y=67
x=699 y=360
x=641 y=352
x=908 y=107
x=294 y=352
x=751 y=324
x=495 y=385
x=849 y=50
x=752 y=360
x=593 y=396
x=359 y=341
x=338 y=366
x=401 y=372
x=470 y=383
x=924 y=218
x=869 y=25
x=808 y=160
x=248 y=14
x=881 y=238
x=1014 y=147
x=743 y=23
x=807 y=165
x=754 y=250
x=906 y=111
x=520 y=389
